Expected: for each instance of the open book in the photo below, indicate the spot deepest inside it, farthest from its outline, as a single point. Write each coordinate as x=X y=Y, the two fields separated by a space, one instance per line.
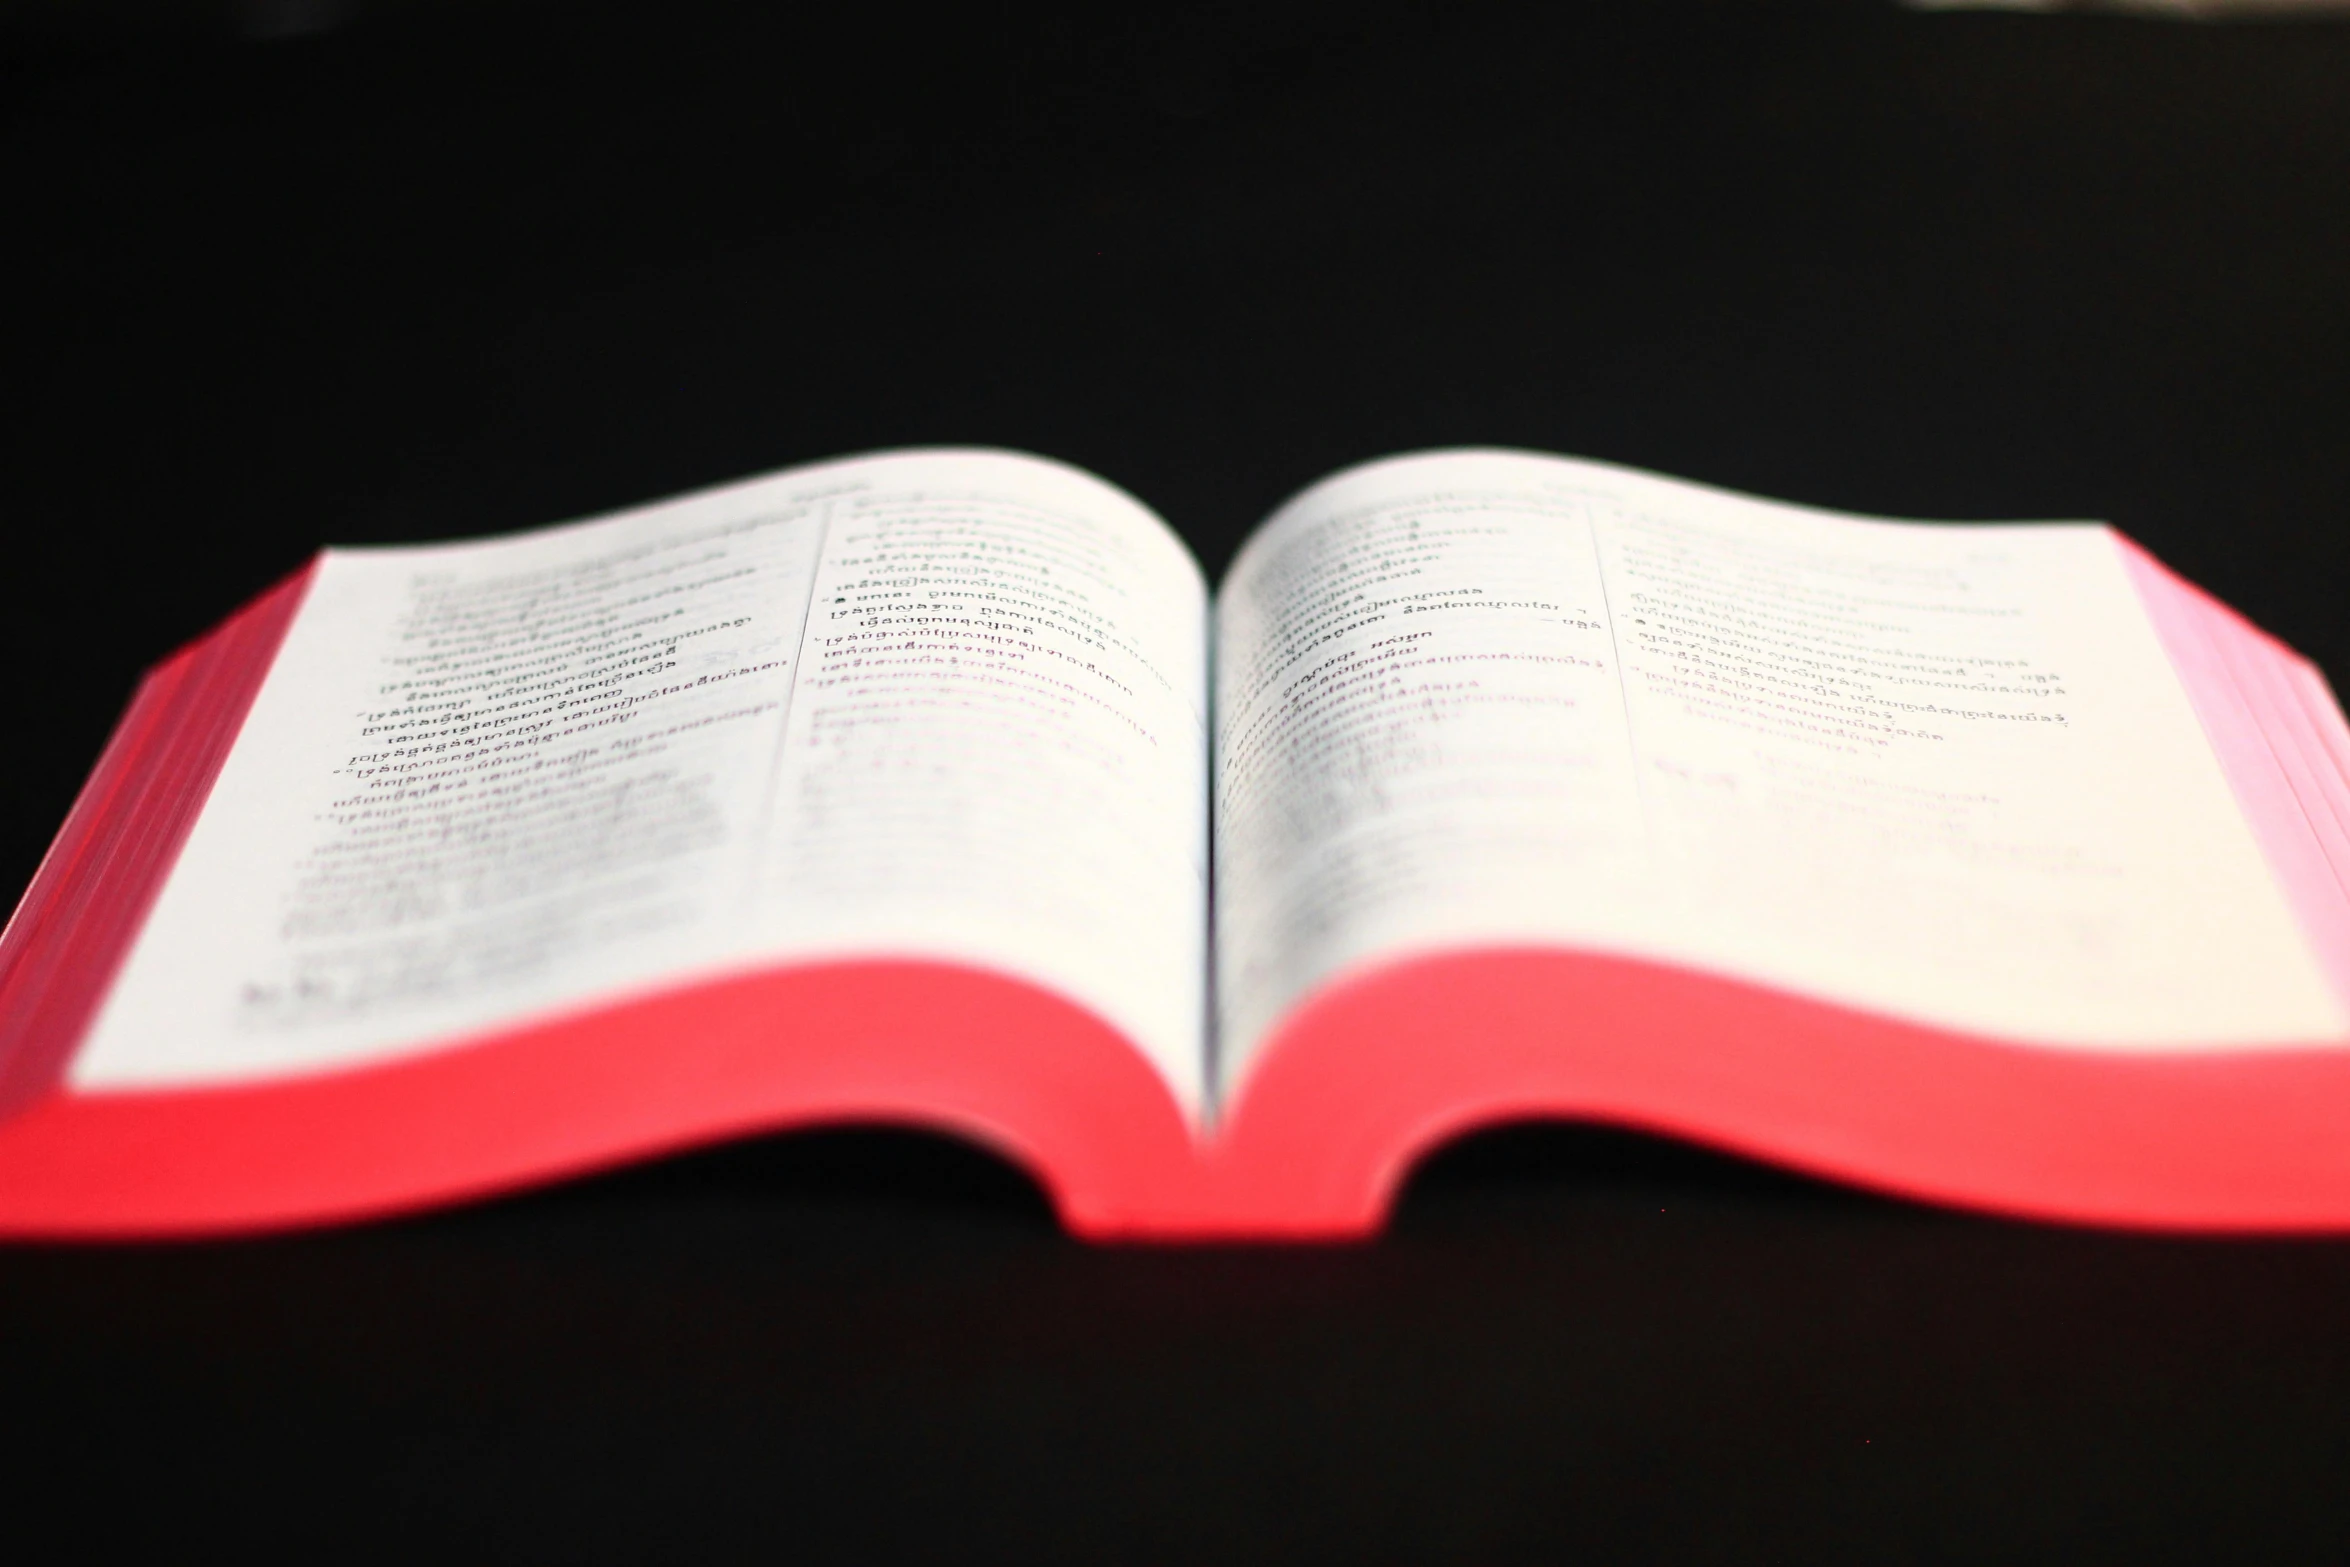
x=1988 y=863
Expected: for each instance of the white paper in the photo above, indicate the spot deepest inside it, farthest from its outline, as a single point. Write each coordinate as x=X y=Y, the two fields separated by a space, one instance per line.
x=1943 y=772
x=944 y=704
x=954 y=705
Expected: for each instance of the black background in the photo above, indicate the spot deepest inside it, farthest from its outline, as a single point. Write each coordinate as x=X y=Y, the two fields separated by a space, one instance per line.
x=309 y=271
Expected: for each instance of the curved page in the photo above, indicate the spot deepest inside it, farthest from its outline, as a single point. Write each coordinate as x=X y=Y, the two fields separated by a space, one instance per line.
x=935 y=705
x=1944 y=774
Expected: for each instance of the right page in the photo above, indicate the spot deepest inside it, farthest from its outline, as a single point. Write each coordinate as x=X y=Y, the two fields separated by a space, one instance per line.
x=1941 y=772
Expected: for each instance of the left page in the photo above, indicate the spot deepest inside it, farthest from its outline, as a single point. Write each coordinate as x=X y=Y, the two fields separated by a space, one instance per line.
x=945 y=704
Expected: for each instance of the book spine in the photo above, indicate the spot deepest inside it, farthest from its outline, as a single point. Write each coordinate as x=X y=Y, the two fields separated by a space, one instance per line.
x=75 y=925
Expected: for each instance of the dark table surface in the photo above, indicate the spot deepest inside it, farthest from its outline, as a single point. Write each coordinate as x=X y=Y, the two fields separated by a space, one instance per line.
x=301 y=271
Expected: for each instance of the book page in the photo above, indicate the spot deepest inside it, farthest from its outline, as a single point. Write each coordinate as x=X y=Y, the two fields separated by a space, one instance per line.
x=1943 y=772
x=934 y=704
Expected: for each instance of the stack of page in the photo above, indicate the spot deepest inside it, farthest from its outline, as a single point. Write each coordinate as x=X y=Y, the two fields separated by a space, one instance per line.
x=1986 y=863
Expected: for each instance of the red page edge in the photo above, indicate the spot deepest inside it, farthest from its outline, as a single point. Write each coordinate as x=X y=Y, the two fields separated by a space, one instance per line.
x=980 y=1055
x=83 y=909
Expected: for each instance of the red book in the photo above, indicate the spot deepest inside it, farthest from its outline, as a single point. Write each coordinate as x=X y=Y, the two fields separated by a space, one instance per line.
x=1990 y=864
